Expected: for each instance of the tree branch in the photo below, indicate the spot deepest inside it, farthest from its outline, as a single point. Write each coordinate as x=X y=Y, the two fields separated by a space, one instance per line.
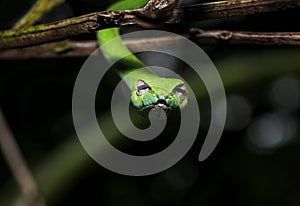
x=222 y=9
x=86 y=48
x=64 y=29
x=18 y=166
x=100 y=20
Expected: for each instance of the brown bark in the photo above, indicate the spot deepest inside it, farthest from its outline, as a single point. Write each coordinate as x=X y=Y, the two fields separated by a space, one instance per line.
x=92 y=22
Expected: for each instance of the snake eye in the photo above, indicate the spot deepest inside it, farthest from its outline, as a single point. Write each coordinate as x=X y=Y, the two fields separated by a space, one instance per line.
x=142 y=87
x=180 y=91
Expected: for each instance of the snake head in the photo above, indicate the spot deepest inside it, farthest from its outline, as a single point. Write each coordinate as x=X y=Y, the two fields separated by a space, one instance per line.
x=165 y=94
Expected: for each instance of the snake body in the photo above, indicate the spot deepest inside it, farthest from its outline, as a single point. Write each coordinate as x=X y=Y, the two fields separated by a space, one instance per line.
x=148 y=91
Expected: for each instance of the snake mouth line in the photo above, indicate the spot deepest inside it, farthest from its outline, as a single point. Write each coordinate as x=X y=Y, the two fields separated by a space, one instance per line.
x=161 y=106
x=161 y=103
x=156 y=106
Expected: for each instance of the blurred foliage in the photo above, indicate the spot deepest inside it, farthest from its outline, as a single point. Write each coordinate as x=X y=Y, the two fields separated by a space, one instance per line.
x=255 y=163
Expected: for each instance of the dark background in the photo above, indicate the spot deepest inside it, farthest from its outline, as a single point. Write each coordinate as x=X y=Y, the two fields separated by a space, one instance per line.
x=255 y=163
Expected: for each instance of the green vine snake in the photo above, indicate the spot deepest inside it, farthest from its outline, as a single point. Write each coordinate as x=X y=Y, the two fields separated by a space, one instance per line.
x=148 y=91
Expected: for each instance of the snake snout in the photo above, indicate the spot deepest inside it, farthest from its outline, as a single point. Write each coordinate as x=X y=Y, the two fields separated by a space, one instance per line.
x=161 y=103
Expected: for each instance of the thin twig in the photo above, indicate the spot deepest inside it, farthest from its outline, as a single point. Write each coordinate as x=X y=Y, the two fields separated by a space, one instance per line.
x=87 y=47
x=242 y=70
x=39 y=9
x=18 y=166
x=29 y=192
x=100 y=20
x=246 y=37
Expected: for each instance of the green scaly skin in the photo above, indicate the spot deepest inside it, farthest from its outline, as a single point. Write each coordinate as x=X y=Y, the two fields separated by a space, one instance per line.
x=159 y=93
